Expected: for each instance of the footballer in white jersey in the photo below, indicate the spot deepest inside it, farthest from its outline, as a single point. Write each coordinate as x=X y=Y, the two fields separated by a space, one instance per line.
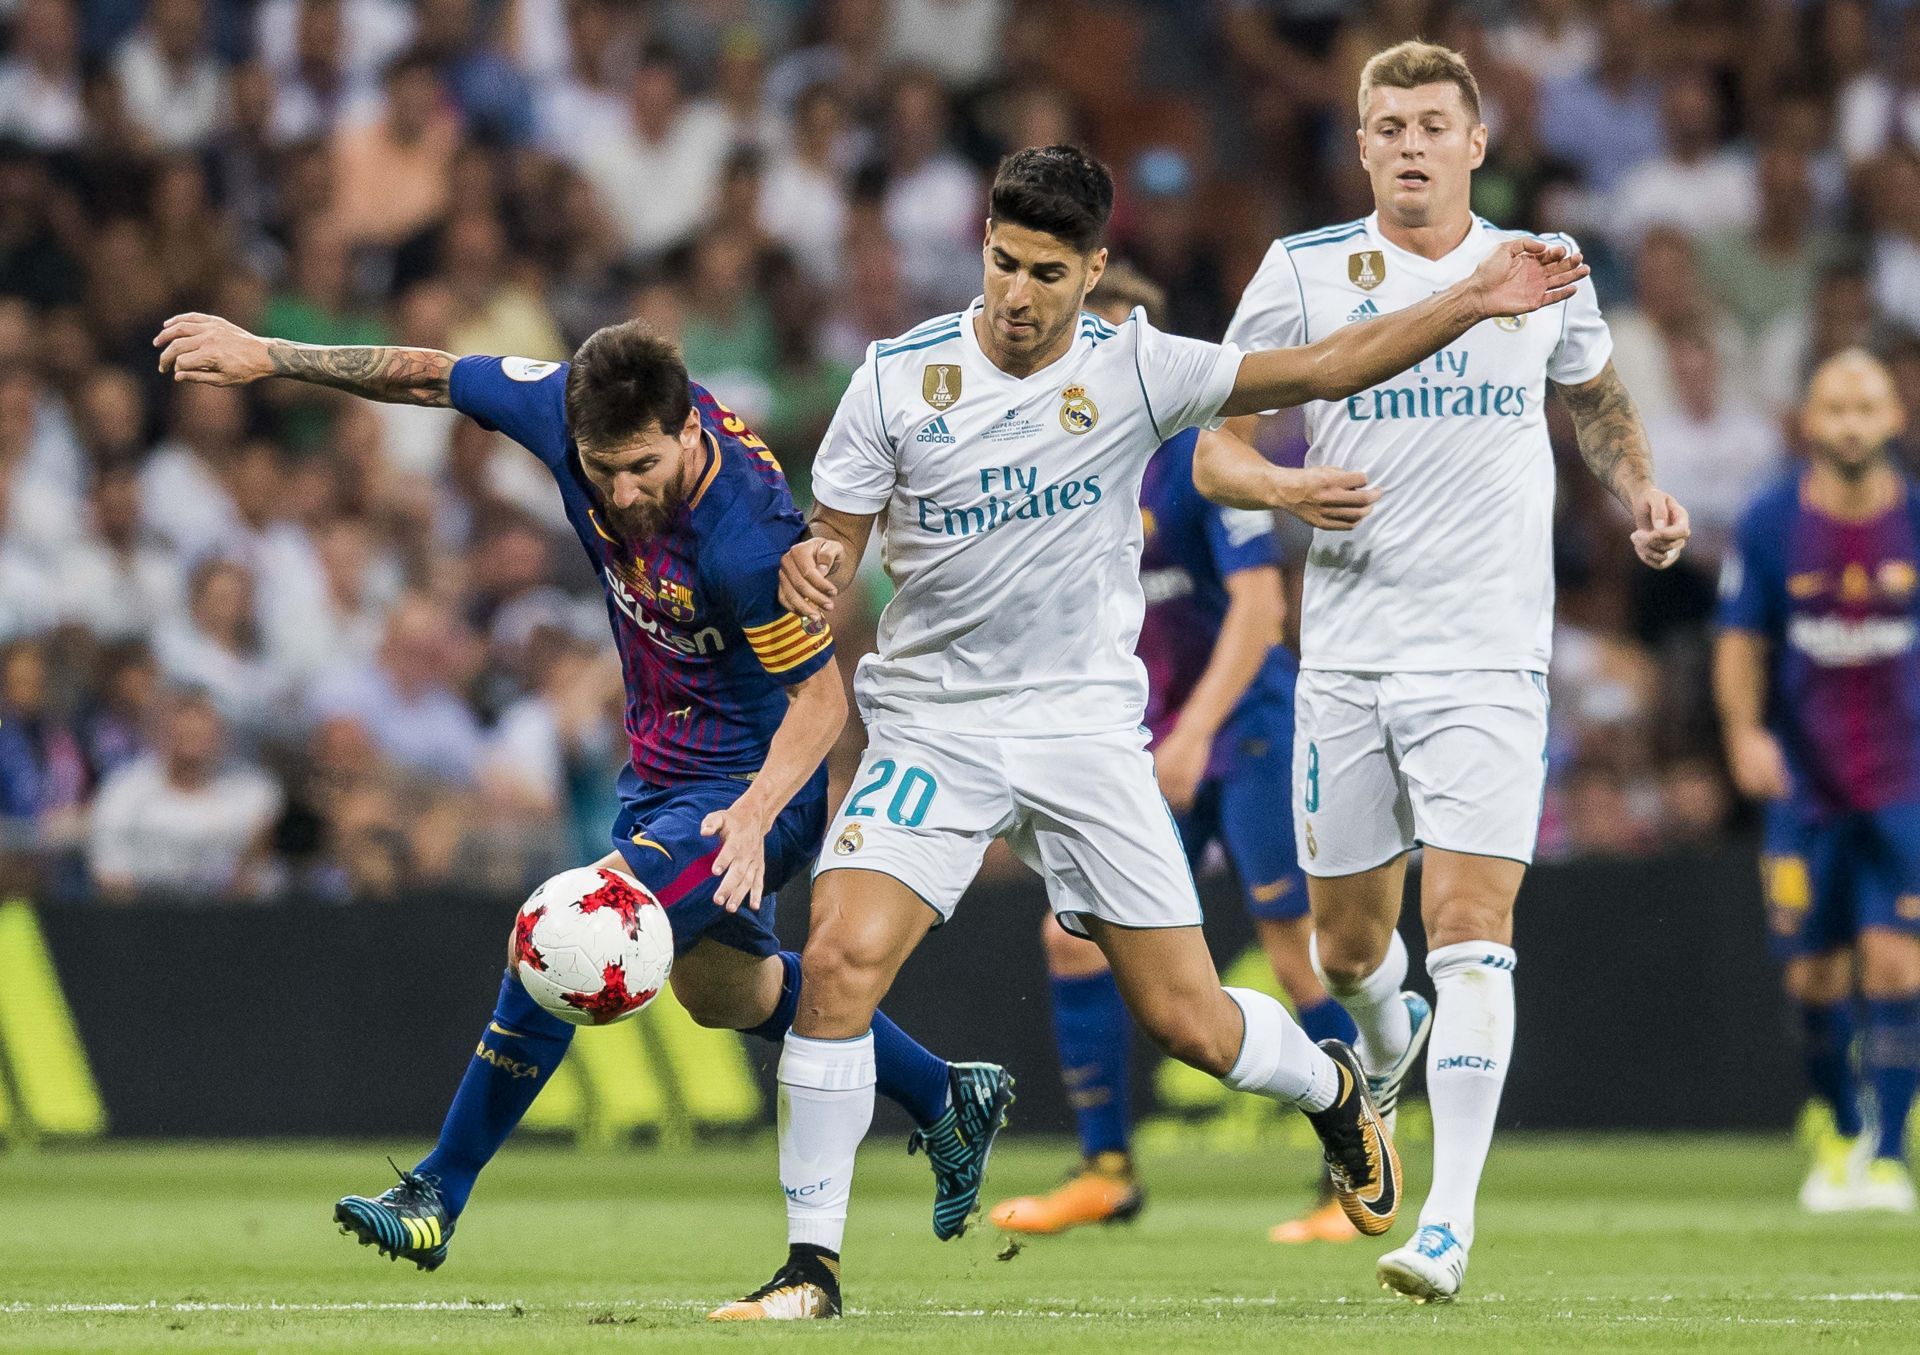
x=1001 y=451
x=1422 y=703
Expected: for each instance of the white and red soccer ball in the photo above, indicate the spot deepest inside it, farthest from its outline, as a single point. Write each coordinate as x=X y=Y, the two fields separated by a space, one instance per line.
x=592 y=946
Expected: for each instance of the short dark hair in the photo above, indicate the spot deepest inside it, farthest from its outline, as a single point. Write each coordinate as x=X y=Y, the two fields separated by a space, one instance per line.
x=1060 y=190
x=625 y=381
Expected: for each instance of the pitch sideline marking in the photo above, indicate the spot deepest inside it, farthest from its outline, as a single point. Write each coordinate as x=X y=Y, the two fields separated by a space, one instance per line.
x=688 y=1305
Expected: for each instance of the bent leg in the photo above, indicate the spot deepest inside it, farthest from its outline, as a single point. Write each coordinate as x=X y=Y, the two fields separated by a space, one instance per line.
x=518 y=1052
x=864 y=926
x=1357 y=952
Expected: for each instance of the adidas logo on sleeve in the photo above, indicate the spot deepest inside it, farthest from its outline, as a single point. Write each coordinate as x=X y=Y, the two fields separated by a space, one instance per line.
x=935 y=432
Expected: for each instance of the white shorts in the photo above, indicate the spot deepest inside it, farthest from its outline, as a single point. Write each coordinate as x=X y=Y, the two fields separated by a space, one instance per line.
x=1384 y=762
x=1084 y=811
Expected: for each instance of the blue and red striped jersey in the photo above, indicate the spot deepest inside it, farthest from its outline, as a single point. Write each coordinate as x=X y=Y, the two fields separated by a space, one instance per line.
x=705 y=646
x=1840 y=602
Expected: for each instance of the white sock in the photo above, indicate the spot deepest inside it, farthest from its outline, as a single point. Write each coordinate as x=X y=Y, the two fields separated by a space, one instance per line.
x=1466 y=1068
x=1374 y=1004
x=826 y=1104
x=1277 y=1059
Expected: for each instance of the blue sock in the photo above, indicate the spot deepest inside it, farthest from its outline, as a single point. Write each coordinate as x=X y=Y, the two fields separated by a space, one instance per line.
x=518 y=1052
x=1095 y=1035
x=903 y=1071
x=1827 y=1034
x=907 y=1074
x=1327 y=1020
x=1890 y=1054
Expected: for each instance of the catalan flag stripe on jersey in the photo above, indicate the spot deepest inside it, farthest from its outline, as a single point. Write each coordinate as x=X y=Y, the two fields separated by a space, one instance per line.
x=788 y=642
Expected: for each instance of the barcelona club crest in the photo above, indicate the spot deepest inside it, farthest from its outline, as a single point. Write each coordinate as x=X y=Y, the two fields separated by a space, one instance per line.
x=675 y=599
x=1367 y=269
x=848 y=842
x=940 y=384
x=1078 y=414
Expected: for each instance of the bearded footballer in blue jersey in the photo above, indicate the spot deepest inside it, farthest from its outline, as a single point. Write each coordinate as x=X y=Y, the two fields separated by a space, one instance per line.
x=732 y=704
x=1817 y=673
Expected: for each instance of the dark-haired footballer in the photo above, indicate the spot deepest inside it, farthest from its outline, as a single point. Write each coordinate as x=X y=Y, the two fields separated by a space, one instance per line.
x=732 y=704
x=1006 y=445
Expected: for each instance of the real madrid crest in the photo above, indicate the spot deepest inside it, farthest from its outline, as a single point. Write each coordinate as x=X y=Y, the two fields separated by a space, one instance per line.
x=1078 y=414
x=848 y=842
x=1367 y=269
x=1513 y=324
x=940 y=384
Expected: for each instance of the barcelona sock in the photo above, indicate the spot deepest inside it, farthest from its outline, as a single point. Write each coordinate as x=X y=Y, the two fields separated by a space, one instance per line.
x=906 y=1073
x=518 y=1052
x=1327 y=1020
x=1890 y=1054
x=1095 y=1036
x=1827 y=1040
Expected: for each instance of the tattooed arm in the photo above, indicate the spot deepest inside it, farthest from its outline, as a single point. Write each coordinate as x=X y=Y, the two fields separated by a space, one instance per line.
x=216 y=352
x=1613 y=443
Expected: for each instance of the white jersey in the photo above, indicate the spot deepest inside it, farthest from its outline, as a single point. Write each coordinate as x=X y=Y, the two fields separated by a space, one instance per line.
x=1012 y=518
x=1453 y=569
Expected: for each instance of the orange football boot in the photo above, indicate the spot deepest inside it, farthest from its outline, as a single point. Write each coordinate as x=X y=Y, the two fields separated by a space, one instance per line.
x=1100 y=1190
x=1325 y=1222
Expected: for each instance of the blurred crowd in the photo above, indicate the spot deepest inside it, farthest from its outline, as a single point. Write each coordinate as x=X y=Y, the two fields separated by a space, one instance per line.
x=273 y=640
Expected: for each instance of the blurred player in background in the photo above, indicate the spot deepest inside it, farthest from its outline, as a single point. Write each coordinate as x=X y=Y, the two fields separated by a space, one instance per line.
x=1424 y=634
x=1220 y=710
x=1817 y=675
x=732 y=705
x=1006 y=444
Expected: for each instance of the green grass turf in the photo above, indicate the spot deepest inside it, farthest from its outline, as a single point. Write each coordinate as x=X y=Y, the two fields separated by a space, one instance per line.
x=1642 y=1244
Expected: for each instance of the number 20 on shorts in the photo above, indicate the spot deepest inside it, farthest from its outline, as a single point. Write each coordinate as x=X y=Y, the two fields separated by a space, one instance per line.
x=912 y=796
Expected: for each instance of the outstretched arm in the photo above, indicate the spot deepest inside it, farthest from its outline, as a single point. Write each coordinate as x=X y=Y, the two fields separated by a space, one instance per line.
x=1519 y=276
x=1613 y=443
x=217 y=352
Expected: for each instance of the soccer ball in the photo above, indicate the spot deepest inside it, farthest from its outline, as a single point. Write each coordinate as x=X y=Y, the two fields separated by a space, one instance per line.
x=592 y=946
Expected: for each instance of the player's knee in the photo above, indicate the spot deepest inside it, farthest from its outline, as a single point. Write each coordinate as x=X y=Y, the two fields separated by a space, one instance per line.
x=838 y=974
x=1069 y=956
x=1348 y=955
x=1889 y=963
x=1820 y=980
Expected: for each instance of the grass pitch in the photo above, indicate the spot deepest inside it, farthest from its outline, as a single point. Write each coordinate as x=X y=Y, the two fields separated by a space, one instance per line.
x=1642 y=1244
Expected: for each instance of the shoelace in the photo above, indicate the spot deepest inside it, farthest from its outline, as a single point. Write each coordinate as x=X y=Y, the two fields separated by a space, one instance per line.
x=413 y=1187
x=1431 y=1243
x=941 y=1144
